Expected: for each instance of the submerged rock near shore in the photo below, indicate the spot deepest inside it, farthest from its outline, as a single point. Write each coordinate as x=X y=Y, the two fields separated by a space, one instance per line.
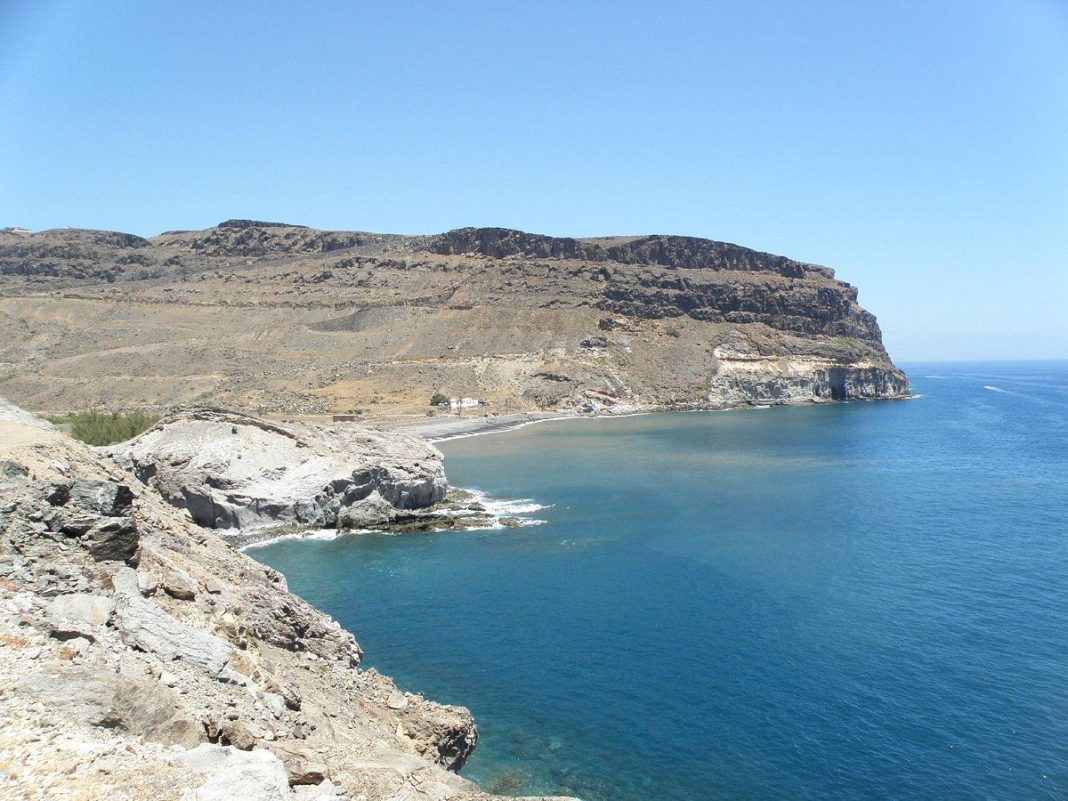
x=142 y=657
x=233 y=471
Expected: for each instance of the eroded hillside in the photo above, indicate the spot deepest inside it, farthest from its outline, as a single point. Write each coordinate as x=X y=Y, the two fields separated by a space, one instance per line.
x=286 y=318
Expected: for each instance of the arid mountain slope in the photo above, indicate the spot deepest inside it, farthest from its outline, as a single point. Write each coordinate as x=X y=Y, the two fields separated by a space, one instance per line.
x=287 y=318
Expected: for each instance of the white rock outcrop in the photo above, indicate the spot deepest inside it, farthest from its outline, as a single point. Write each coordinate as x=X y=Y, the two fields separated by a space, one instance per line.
x=230 y=773
x=231 y=471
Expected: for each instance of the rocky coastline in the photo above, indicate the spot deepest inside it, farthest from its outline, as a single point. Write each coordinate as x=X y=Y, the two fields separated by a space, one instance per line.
x=143 y=657
x=254 y=480
x=235 y=471
x=443 y=428
x=154 y=660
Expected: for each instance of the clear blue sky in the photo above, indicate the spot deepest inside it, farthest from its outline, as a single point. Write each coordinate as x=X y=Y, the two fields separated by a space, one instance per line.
x=920 y=148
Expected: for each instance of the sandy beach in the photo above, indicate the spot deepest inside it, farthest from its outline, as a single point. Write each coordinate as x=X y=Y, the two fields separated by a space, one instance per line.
x=449 y=426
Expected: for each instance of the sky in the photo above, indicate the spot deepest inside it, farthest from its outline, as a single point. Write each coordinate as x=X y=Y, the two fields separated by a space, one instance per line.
x=919 y=148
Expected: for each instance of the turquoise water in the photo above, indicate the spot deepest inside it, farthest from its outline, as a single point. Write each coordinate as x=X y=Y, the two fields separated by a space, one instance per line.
x=858 y=601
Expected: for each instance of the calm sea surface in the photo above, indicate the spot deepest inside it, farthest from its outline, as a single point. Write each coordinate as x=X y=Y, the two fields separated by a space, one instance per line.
x=858 y=601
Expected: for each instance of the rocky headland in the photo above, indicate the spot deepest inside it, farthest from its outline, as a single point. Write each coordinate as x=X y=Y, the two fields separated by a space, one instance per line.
x=253 y=479
x=143 y=657
x=285 y=319
x=233 y=471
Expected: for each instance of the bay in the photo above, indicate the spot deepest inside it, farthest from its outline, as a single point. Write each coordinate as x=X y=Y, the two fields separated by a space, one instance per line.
x=852 y=601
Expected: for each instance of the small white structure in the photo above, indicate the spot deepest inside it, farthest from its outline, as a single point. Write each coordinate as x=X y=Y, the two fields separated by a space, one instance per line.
x=463 y=403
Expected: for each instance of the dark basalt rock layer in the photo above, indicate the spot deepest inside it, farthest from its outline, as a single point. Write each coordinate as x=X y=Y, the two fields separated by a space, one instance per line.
x=680 y=252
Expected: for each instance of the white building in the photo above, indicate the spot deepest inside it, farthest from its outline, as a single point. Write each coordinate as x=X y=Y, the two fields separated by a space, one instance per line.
x=463 y=403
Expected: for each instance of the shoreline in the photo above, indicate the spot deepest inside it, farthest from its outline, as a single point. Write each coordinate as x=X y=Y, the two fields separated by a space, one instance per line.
x=468 y=509
x=449 y=427
x=446 y=427
x=443 y=430
x=151 y=654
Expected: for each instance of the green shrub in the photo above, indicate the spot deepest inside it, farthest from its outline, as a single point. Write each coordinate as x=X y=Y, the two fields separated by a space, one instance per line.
x=95 y=427
x=438 y=399
x=673 y=332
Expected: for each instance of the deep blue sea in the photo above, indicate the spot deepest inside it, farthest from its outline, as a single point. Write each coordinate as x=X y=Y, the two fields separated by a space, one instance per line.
x=854 y=601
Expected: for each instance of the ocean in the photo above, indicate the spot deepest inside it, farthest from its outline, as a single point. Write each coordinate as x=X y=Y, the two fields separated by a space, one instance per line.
x=852 y=601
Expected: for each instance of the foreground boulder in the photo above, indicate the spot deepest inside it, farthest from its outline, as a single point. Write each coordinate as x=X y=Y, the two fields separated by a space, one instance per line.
x=181 y=669
x=232 y=471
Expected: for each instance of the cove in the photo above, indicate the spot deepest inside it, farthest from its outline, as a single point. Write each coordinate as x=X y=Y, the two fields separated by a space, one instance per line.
x=851 y=601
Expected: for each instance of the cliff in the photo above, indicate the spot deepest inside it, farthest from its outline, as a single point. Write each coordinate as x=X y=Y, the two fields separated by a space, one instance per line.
x=144 y=658
x=283 y=318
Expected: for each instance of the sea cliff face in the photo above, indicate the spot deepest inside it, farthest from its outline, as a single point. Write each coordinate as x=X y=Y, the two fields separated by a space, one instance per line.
x=143 y=657
x=282 y=318
x=772 y=380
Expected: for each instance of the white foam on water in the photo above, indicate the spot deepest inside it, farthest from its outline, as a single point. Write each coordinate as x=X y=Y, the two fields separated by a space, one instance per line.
x=523 y=506
x=496 y=508
x=316 y=534
x=993 y=389
x=505 y=508
x=493 y=524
